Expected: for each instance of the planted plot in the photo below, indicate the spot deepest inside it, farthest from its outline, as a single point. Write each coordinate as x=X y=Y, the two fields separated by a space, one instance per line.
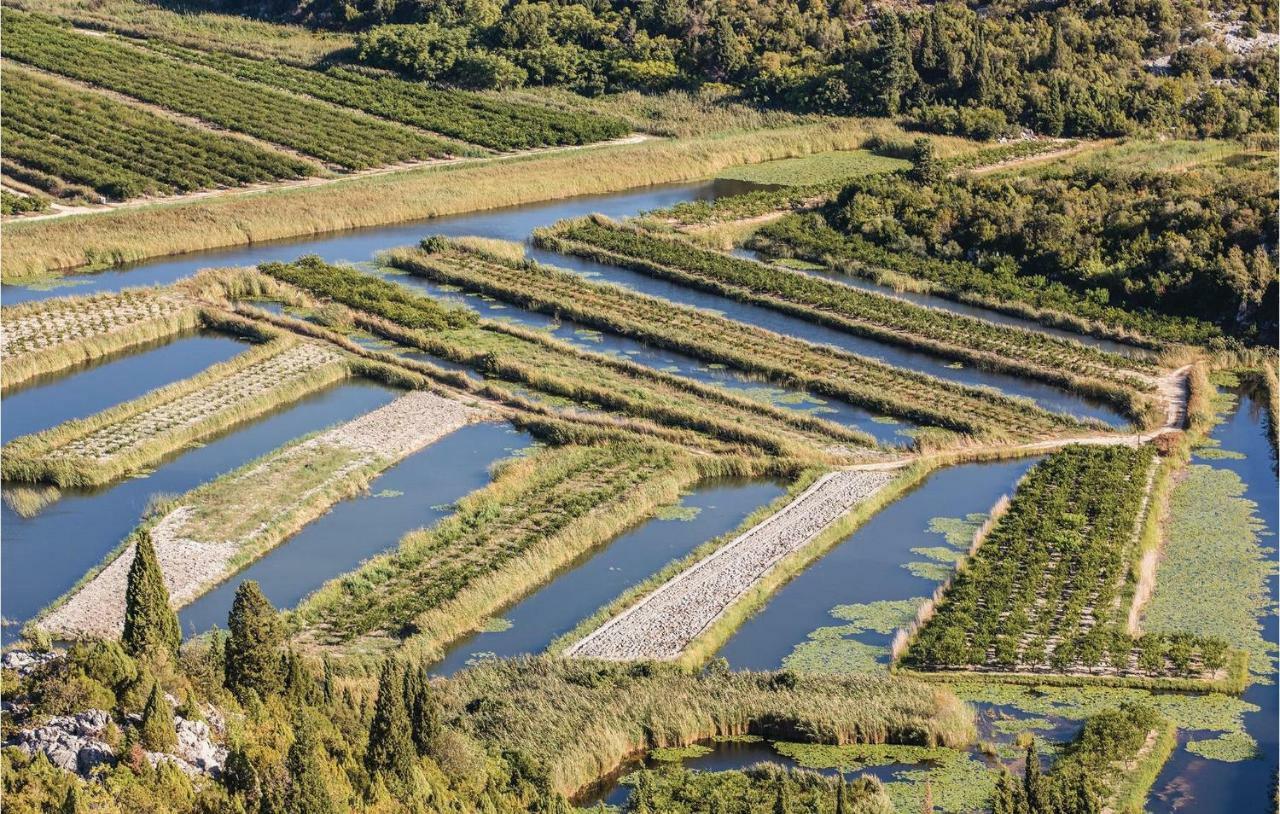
x=532 y=359
x=133 y=436
x=340 y=137
x=1049 y=589
x=784 y=360
x=864 y=313
x=219 y=527
x=51 y=335
x=73 y=137
x=666 y=621
x=538 y=514
x=469 y=117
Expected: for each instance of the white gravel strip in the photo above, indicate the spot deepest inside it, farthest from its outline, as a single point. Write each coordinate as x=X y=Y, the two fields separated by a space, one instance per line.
x=192 y=567
x=663 y=624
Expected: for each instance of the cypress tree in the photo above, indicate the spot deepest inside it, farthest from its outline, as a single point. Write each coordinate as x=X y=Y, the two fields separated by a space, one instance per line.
x=391 y=749
x=894 y=74
x=981 y=67
x=240 y=777
x=70 y=803
x=253 y=646
x=423 y=708
x=157 y=730
x=1033 y=783
x=1008 y=797
x=299 y=685
x=840 y=806
x=150 y=626
x=780 y=801
x=307 y=792
x=326 y=685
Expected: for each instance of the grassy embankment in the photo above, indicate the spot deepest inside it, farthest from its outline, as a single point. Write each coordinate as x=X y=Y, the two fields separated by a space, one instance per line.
x=531 y=359
x=538 y=515
x=133 y=436
x=582 y=719
x=1120 y=381
x=52 y=335
x=782 y=360
x=34 y=248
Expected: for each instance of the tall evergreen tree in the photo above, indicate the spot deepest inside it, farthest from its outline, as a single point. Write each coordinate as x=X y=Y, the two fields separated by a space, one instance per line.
x=391 y=749
x=307 y=792
x=894 y=75
x=423 y=708
x=780 y=803
x=299 y=684
x=840 y=804
x=1009 y=797
x=70 y=803
x=1059 y=53
x=981 y=80
x=240 y=778
x=150 y=626
x=1033 y=782
x=156 y=730
x=253 y=646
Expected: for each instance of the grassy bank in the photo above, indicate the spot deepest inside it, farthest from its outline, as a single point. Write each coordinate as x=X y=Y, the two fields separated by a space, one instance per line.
x=133 y=436
x=783 y=360
x=32 y=248
x=49 y=336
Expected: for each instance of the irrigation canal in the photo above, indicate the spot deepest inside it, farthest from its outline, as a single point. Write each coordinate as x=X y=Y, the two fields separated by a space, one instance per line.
x=45 y=555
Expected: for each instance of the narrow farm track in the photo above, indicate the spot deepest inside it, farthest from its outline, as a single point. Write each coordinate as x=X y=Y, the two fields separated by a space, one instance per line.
x=217 y=528
x=664 y=623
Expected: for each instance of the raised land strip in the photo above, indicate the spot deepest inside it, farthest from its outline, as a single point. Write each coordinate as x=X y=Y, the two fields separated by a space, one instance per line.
x=133 y=436
x=782 y=359
x=1046 y=591
x=50 y=335
x=663 y=624
x=539 y=514
x=221 y=526
x=883 y=318
x=338 y=136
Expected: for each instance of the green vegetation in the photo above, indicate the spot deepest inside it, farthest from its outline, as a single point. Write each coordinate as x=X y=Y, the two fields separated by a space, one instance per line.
x=469 y=117
x=252 y=657
x=156 y=729
x=63 y=139
x=344 y=138
x=150 y=626
x=1098 y=246
x=833 y=649
x=784 y=360
x=1045 y=588
x=13 y=204
x=860 y=312
x=758 y=790
x=822 y=168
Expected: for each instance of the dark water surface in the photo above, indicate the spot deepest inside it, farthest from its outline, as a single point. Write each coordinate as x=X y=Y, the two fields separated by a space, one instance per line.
x=79 y=392
x=600 y=575
x=43 y=556
x=413 y=494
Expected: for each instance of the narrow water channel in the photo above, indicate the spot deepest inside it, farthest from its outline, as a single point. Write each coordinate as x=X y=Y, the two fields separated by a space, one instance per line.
x=599 y=576
x=413 y=494
x=79 y=392
x=1047 y=396
x=43 y=556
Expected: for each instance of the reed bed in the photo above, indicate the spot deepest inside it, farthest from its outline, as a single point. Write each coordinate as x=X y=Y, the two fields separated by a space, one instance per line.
x=1065 y=363
x=47 y=336
x=203 y=537
x=133 y=436
x=538 y=514
x=33 y=248
x=781 y=359
x=581 y=719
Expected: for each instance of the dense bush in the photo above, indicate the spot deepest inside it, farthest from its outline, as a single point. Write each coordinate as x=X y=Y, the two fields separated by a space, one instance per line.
x=11 y=204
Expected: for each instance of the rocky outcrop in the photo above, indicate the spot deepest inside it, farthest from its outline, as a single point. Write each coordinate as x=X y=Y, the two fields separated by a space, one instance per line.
x=71 y=742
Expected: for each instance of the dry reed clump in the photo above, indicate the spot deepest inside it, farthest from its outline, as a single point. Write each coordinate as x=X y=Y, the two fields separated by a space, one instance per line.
x=37 y=247
x=137 y=434
x=582 y=718
x=663 y=624
x=217 y=528
x=51 y=335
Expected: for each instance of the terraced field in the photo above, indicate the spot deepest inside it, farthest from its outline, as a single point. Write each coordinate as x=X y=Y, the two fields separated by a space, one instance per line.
x=50 y=335
x=782 y=359
x=219 y=527
x=666 y=621
x=132 y=436
x=864 y=313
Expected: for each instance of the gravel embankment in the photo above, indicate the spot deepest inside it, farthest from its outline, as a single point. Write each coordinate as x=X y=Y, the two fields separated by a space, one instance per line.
x=663 y=624
x=191 y=566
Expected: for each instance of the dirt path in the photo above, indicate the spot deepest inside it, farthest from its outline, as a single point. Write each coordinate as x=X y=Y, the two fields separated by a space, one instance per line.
x=1038 y=157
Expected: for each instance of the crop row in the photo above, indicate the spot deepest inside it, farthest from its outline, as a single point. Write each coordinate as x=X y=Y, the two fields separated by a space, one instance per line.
x=133 y=436
x=534 y=360
x=49 y=323
x=1047 y=586
x=86 y=138
x=342 y=137
x=470 y=117
x=784 y=360
x=883 y=318
x=530 y=503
